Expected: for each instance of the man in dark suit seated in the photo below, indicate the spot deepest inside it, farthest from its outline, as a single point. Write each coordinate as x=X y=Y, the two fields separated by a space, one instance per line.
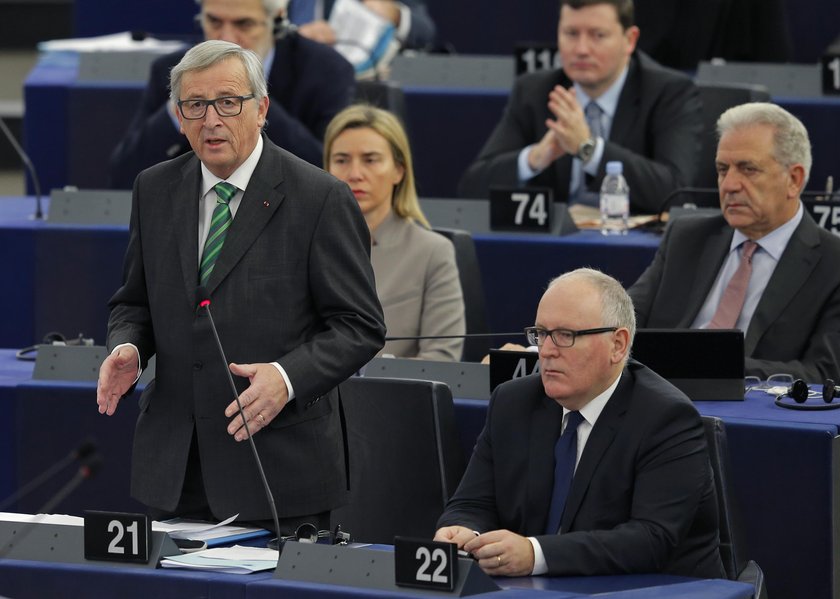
x=763 y=265
x=285 y=259
x=608 y=102
x=627 y=488
x=308 y=84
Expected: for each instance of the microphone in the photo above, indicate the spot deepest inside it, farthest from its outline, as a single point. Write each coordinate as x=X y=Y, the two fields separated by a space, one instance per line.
x=282 y=27
x=666 y=203
x=85 y=449
x=203 y=300
x=39 y=213
x=90 y=467
x=464 y=336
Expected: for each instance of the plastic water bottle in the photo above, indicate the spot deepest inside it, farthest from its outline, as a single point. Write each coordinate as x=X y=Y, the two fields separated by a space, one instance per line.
x=615 y=201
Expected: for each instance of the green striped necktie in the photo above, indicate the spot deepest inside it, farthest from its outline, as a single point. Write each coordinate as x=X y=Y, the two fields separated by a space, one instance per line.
x=218 y=230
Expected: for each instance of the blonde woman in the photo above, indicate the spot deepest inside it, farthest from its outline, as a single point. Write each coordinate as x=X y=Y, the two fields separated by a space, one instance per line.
x=416 y=275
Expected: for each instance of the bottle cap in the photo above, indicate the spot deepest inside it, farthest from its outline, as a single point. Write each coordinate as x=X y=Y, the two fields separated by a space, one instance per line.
x=615 y=167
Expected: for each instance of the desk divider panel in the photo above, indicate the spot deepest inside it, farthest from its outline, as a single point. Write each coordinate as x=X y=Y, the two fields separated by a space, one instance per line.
x=76 y=363
x=467 y=380
x=89 y=207
x=367 y=569
x=789 y=80
x=60 y=543
x=117 y=66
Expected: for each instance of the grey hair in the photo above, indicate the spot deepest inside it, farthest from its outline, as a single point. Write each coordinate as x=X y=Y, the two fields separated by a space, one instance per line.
x=790 y=138
x=209 y=53
x=616 y=306
x=272 y=7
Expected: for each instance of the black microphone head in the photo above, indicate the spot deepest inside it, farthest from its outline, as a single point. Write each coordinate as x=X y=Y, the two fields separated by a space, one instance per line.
x=799 y=391
x=86 y=448
x=202 y=297
x=138 y=36
x=91 y=466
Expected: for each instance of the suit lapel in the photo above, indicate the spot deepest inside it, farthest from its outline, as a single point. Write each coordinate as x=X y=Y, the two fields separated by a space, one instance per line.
x=600 y=439
x=628 y=106
x=798 y=260
x=260 y=201
x=184 y=197
x=546 y=422
x=708 y=265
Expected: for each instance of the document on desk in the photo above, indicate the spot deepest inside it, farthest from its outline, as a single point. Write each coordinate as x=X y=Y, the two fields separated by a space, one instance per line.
x=230 y=560
x=213 y=533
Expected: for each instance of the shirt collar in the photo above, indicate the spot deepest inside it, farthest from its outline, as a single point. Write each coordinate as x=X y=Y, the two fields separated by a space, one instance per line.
x=608 y=101
x=592 y=410
x=267 y=62
x=240 y=177
x=775 y=242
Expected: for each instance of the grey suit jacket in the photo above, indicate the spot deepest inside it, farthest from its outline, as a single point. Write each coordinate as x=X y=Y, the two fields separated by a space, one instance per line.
x=655 y=133
x=642 y=498
x=796 y=326
x=418 y=285
x=292 y=284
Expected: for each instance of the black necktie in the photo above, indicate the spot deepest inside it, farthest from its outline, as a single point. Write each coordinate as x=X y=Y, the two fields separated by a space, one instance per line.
x=565 y=456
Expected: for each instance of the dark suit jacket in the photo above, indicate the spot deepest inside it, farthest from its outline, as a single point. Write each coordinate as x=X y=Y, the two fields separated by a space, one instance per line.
x=293 y=284
x=643 y=496
x=422 y=32
x=308 y=84
x=796 y=326
x=655 y=133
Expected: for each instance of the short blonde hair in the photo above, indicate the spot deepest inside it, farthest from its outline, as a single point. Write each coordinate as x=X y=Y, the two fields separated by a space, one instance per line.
x=363 y=116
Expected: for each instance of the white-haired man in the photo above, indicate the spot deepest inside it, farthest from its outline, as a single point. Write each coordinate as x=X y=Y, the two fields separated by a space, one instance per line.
x=764 y=244
x=308 y=84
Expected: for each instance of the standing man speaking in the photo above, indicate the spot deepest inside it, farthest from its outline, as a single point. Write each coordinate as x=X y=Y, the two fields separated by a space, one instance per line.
x=283 y=251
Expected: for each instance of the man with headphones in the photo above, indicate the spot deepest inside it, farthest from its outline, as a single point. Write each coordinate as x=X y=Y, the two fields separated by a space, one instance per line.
x=308 y=84
x=763 y=265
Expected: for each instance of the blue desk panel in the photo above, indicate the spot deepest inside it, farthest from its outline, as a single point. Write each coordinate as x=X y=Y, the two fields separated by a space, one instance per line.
x=448 y=126
x=63 y=275
x=37 y=580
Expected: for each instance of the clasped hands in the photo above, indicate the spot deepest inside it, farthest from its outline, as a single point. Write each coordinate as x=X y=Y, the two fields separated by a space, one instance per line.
x=498 y=552
x=262 y=401
x=566 y=131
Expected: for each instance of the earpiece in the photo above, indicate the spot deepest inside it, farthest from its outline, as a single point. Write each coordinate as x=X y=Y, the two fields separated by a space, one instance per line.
x=830 y=391
x=800 y=391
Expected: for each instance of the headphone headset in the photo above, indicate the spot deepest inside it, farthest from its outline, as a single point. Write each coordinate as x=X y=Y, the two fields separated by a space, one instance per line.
x=800 y=391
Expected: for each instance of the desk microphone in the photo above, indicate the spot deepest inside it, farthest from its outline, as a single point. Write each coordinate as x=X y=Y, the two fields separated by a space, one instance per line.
x=85 y=449
x=39 y=213
x=90 y=467
x=203 y=300
x=464 y=336
x=666 y=203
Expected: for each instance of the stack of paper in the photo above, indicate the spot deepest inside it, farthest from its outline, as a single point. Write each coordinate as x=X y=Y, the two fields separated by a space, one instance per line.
x=214 y=534
x=231 y=560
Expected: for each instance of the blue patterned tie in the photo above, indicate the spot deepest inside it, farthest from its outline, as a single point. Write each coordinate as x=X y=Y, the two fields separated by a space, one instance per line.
x=565 y=456
x=219 y=226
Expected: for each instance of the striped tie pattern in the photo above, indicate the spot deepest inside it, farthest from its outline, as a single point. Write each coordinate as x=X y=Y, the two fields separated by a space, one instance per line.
x=219 y=226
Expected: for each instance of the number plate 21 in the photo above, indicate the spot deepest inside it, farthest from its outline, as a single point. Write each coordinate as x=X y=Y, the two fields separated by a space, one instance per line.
x=117 y=536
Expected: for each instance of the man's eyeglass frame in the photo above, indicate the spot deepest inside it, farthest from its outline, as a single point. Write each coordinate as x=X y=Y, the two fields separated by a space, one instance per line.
x=533 y=333
x=208 y=103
